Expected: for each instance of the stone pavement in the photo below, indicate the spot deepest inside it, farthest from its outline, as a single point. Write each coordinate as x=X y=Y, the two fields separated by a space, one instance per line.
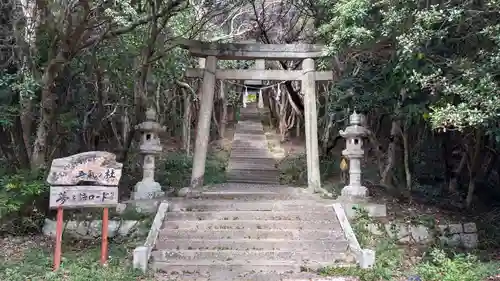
x=250 y=228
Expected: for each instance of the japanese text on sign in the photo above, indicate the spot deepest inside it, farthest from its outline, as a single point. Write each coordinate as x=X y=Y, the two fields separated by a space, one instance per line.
x=83 y=196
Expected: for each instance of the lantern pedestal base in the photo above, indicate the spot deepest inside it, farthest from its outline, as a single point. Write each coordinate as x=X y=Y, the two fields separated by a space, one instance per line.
x=147 y=190
x=355 y=192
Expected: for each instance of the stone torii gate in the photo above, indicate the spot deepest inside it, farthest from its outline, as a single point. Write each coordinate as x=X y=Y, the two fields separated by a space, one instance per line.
x=212 y=52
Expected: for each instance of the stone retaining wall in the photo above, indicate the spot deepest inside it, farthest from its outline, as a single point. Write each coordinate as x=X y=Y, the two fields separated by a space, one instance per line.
x=455 y=235
x=91 y=229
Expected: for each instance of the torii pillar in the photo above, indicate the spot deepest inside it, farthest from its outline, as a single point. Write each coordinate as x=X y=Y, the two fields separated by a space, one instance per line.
x=311 y=125
x=204 y=118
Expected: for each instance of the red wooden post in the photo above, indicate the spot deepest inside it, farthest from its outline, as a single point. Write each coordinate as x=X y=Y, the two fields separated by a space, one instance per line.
x=59 y=231
x=104 y=245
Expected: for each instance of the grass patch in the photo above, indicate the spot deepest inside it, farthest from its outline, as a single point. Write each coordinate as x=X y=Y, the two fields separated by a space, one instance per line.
x=293 y=169
x=80 y=262
x=175 y=170
x=395 y=262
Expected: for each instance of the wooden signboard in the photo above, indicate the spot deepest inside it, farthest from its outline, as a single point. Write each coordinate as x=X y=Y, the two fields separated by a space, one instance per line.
x=84 y=180
x=83 y=196
x=97 y=167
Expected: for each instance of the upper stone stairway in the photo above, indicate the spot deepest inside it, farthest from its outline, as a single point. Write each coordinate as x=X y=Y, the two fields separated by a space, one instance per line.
x=250 y=155
x=246 y=230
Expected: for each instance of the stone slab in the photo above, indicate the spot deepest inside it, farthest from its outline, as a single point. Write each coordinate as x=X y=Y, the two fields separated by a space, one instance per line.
x=250 y=131
x=255 y=161
x=249 y=151
x=251 y=215
x=194 y=205
x=250 y=180
x=249 y=244
x=264 y=195
x=270 y=177
x=251 y=166
x=209 y=225
x=255 y=276
x=253 y=234
x=272 y=255
x=236 y=266
x=240 y=136
x=254 y=173
x=232 y=187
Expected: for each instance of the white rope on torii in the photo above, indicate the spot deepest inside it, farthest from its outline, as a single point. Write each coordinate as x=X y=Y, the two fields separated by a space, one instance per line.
x=277 y=95
x=261 y=100
x=245 y=97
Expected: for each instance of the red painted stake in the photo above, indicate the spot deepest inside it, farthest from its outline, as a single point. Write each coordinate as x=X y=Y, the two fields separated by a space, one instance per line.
x=104 y=245
x=59 y=231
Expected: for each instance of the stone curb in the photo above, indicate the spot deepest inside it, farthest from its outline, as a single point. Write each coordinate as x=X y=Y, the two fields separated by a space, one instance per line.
x=143 y=253
x=364 y=257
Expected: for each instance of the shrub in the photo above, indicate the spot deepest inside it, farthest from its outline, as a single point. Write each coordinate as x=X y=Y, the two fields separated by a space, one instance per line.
x=459 y=267
x=23 y=201
x=175 y=170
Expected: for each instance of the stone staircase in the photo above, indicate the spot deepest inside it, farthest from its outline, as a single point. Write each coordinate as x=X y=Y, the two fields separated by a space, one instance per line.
x=246 y=230
x=250 y=154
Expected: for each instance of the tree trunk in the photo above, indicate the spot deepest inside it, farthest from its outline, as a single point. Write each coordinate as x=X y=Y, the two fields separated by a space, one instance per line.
x=386 y=177
x=326 y=134
x=453 y=184
x=406 y=154
x=474 y=167
x=48 y=107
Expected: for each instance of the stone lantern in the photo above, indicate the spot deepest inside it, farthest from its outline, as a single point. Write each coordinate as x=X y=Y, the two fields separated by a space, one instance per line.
x=354 y=134
x=150 y=146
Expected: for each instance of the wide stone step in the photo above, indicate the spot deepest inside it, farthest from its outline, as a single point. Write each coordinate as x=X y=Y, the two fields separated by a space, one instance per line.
x=226 y=255
x=239 y=136
x=231 y=187
x=259 y=276
x=250 y=215
x=292 y=234
x=252 y=170
x=250 y=154
x=248 y=244
x=255 y=161
x=246 y=195
x=251 y=166
x=217 y=267
x=244 y=147
x=250 y=225
x=257 y=139
x=258 y=176
x=240 y=129
x=250 y=145
x=249 y=123
x=248 y=180
x=264 y=177
x=247 y=142
x=249 y=116
x=250 y=131
x=203 y=205
x=244 y=173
